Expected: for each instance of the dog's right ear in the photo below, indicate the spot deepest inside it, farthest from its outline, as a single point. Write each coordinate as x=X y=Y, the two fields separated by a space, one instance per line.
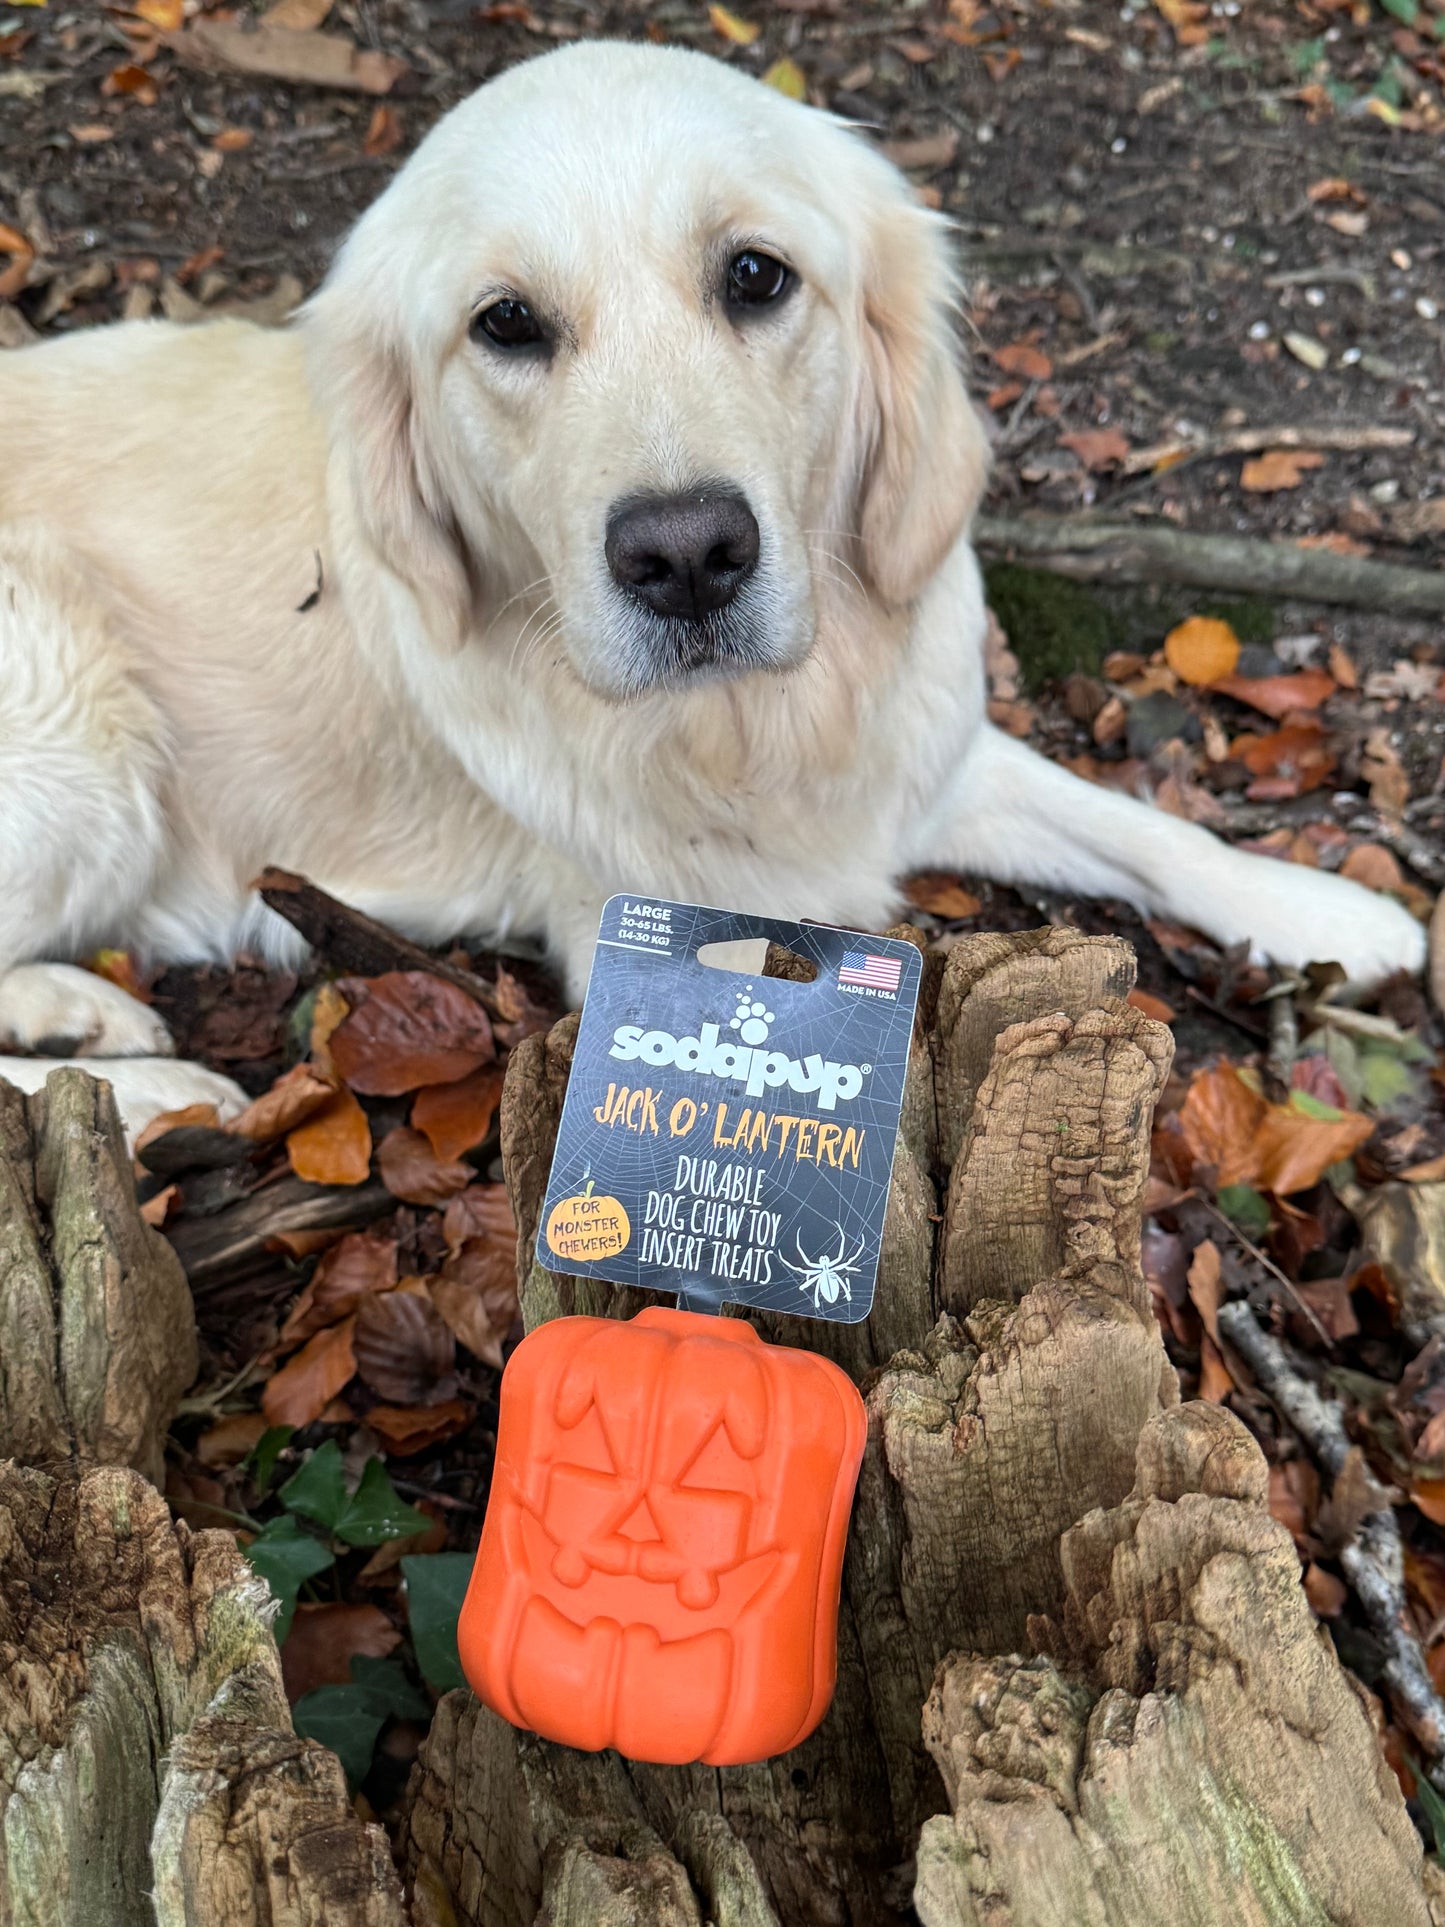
x=366 y=388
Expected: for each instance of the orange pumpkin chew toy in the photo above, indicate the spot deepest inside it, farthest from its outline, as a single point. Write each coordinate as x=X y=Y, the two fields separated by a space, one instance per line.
x=660 y=1562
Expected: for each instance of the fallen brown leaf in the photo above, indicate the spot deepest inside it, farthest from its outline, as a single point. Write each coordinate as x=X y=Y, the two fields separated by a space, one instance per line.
x=1327 y=1594
x=324 y=1639
x=410 y=1169
x=277 y=53
x=1206 y=1285
x=404 y=1348
x=1228 y=1126
x=165 y=15
x=294 y=1097
x=1383 y=771
x=405 y=1429
x=229 y=1440
x=334 y=1146
x=482 y=1211
x=384 y=132
x=406 y=1029
x=456 y=1117
x=1278 y=468
x=1334 y=187
x=1023 y=358
x=940 y=895
x=297 y=16
x=131 y=80
x=1278 y=696
x=1097 y=448
x=306 y=1384
x=1152 y=1006
x=476 y=1293
x=190 y=1115
x=1374 y=866
x=928 y=151
x=157 y=1209
x=1215 y=1383
x=742 y=33
x=1201 y=650
x=361 y=1263
x=1342 y=668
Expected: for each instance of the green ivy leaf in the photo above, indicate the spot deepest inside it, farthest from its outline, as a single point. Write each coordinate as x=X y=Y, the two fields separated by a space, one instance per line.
x=436 y=1585
x=318 y=1490
x=349 y=1718
x=1407 y=11
x=1313 y=1106
x=1385 y=1079
x=376 y=1511
x=264 y=1453
x=286 y=1556
x=1432 y=1806
x=1245 y=1207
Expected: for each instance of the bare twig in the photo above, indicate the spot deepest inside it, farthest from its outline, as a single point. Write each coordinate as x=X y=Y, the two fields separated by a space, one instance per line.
x=1263 y=1259
x=1093 y=551
x=1372 y=1558
x=359 y=943
x=1249 y=441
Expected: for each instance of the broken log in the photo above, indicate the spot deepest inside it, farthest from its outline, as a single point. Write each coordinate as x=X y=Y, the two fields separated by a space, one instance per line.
x=97 y=1332
x=1093 y=551
x=149 y=1774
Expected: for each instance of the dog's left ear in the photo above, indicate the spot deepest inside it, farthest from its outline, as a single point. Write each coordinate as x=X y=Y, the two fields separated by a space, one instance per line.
x=926 y=455
x=367 y=391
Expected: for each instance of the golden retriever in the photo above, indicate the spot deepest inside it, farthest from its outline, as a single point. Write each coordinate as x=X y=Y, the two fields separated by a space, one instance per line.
x=629 y=446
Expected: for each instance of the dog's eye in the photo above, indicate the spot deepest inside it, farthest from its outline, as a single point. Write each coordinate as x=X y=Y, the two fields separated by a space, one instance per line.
x=755 y=280
x=509 y=323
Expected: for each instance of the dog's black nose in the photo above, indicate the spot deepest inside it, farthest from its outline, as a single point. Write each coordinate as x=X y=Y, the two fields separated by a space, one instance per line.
x=683 y=555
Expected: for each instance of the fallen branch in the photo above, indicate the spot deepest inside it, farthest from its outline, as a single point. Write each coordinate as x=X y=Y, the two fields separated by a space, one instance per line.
x=360 y=944
x=218 y=1249
x=1250 y=441
x=1371 y=1558
x=1114 y=552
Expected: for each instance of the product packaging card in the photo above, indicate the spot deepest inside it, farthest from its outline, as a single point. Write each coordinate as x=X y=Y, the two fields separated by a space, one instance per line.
x=730 y=1136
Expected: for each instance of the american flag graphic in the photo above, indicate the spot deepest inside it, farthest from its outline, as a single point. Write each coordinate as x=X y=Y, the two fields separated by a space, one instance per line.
x=870 y=973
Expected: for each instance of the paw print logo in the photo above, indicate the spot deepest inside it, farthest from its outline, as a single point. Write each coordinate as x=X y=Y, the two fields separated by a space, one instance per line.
x=752 y=1021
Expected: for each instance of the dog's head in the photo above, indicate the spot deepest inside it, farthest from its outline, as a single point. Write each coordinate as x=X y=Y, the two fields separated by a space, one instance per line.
x=642 y=343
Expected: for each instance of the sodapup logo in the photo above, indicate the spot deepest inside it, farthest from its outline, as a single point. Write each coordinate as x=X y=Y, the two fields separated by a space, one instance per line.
x=743 y=1062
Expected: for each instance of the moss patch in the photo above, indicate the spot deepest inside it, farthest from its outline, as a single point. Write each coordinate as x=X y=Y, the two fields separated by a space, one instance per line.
x=1056 y=626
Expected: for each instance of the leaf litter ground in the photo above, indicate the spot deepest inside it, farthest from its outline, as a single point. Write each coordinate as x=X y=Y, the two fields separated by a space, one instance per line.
x=1205 y=289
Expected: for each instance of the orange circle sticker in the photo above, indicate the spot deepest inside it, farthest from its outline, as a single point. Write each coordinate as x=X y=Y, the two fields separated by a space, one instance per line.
x=586 y=1227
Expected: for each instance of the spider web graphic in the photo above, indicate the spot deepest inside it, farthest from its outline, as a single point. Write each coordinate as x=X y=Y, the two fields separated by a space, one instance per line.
x=646 y=973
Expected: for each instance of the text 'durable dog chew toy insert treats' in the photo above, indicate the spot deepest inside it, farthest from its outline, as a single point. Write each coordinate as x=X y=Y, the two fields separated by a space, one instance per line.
x=661 y=1558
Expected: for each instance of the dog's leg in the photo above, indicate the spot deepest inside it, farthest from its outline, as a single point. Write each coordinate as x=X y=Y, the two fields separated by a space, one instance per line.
x=1011 y=815
x=82 y=761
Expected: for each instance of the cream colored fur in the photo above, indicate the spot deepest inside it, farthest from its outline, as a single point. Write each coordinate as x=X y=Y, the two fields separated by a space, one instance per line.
x=460 y=735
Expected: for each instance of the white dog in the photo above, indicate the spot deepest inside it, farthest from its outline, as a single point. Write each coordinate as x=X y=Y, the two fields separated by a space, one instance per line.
x=629 y=446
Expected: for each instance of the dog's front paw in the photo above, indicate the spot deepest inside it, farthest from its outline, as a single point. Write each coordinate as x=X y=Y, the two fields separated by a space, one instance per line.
x=59 y=1010
x=144 y=1087
x=1296 y=916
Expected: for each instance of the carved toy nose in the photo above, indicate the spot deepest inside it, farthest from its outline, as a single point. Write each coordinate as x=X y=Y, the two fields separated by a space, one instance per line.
x=683 y=555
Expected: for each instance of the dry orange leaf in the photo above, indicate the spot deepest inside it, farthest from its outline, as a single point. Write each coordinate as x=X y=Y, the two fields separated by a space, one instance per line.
x=1097 y=448
x=1334 y=187
x=1215 y=1384
x=1287 y=762
x=1226 y=1124
x=1152 y=1006
x=1374 y=866
x=1206 y=1285
x=941 y=895
x=1004 y=395
x=157 y=1209
x=166 y=15
x=14 y=243
x=742 y=33
x=119 y=967
x=300 y=1094
x=1023 y=358
x=1201 y=650
x=204 y=1115
x=1278 y=468
x=334 y=1146
x=455 y=1117
x=384 y=132
x=133 y=80
x=1429 y=1496
x=1278 y=696
x=232 y=140
x=306 y=1384
x=89 y=133
x=411 y=1170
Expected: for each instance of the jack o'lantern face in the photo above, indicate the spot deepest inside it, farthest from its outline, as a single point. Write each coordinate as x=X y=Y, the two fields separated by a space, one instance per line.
x=659 y=1566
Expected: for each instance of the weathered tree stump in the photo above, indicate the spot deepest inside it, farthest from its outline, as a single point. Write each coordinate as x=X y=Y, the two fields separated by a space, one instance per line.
x=97 y=1331
x=149 y=1774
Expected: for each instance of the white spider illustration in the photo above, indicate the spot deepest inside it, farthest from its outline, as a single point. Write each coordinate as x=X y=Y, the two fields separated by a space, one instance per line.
x=826 y=1276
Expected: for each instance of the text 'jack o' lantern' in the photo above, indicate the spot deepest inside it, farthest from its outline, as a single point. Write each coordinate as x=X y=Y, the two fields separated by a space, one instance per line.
x=660 y=1562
